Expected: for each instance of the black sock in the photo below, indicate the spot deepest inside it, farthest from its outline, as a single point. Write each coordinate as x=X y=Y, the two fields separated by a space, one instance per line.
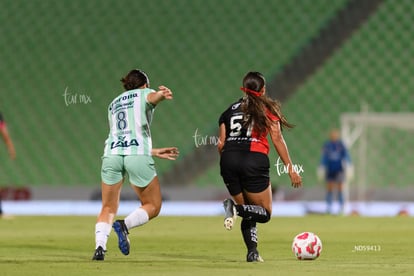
x=254 y=213
x=249 y=232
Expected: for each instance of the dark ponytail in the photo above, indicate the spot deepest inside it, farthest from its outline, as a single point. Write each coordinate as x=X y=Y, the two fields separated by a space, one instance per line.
x=256 y=106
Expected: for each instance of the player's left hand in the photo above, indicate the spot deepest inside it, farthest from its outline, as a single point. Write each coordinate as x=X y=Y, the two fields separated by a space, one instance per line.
x=12 y=153
x=349 y=172
x=296 y=179
x=170 y=153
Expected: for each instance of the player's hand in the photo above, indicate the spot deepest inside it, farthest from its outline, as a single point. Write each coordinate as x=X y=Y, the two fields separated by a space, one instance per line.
x=320 y=174
x=166 y=92
x=296 y=179
x=349 y=172
x=12 y=154
x=170 y=153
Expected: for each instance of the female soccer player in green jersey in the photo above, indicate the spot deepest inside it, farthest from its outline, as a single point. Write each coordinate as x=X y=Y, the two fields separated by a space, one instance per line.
x=128 y=150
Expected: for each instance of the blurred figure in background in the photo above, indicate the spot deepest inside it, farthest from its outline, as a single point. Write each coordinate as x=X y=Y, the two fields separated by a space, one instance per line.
x=335 y=165
x=9 y=144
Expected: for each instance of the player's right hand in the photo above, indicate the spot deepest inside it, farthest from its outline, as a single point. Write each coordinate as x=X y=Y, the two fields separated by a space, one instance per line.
x=166 y=92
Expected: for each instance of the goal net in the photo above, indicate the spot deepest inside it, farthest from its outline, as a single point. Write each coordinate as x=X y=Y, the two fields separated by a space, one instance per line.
x=381 y=146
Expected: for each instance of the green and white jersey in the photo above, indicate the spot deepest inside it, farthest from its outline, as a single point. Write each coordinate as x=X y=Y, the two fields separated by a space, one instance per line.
x=130 y=116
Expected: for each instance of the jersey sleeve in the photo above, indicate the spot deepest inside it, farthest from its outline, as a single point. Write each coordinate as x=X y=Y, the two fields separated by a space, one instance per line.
x=324 y=155
x=271 y=116
x=345 y=154
x=221 y=119
x=145 y=95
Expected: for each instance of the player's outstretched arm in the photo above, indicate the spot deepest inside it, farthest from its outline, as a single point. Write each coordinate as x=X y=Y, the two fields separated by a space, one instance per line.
x=222 y=138
x=162 y=94
x=170 y=153
x=8 y=141
x=282 y=150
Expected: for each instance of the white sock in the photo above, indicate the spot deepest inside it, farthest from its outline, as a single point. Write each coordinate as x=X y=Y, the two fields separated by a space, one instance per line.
x=102 y=230
x=136 y=218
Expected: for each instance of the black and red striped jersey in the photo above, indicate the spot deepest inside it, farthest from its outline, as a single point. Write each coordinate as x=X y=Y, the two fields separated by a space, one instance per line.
x=240 y=137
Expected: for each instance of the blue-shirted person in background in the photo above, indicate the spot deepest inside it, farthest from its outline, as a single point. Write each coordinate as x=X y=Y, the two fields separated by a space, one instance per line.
x=335 y=165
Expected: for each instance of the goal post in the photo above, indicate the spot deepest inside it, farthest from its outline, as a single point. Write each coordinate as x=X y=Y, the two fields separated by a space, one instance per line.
x=381 y=146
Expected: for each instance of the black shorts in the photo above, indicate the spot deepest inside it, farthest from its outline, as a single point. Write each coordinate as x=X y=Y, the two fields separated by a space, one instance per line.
x=245 y=171
x=335 y=176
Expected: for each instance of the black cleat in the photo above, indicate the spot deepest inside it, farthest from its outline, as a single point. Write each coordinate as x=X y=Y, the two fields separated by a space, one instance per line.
x=122 y=232
x=99 y=254
x=254 y=256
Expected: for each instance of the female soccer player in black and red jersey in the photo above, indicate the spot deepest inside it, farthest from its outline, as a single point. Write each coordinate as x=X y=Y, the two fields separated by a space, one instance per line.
x=244 y=162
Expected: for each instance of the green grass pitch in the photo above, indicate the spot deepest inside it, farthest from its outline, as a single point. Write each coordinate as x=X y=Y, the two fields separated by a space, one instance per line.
x=64 y=245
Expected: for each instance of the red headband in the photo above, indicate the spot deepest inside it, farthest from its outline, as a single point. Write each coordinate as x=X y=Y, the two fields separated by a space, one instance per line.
x=247 y=90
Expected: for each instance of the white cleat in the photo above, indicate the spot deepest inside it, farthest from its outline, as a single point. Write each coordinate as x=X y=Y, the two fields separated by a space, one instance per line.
x=228 y=223
x=230 y=213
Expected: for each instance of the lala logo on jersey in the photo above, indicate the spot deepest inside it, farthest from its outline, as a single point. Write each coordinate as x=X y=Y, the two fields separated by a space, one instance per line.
x=235 y=106
x=124 y=143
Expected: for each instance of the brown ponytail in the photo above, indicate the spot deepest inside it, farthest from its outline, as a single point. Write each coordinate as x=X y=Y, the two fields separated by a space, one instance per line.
x=256 y=107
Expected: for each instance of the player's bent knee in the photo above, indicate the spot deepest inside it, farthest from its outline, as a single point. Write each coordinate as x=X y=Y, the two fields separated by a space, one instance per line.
x=157 y=210
x=268 y=216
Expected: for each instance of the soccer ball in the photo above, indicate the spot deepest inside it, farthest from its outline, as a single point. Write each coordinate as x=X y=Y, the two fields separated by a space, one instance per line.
x=307 y=246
